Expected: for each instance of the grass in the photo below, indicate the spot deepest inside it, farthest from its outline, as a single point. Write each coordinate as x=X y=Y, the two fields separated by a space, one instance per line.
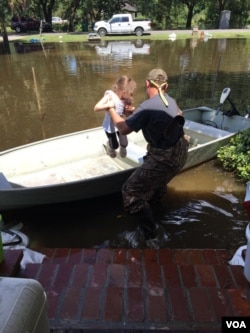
x=154 y=35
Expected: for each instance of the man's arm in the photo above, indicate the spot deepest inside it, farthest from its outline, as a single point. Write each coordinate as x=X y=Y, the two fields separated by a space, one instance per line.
x=119 y=122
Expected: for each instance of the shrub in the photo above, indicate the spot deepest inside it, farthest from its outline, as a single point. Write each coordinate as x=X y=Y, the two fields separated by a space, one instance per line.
x=235 y=156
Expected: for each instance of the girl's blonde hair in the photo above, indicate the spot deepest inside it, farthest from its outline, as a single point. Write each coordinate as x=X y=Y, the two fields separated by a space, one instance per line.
x=127 y=85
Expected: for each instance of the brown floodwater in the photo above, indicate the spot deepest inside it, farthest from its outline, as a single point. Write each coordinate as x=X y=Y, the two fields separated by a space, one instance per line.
x=51 y=91
x=202 y=209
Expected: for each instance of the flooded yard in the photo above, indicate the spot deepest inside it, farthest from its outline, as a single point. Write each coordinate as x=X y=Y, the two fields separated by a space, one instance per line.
x=203 y=206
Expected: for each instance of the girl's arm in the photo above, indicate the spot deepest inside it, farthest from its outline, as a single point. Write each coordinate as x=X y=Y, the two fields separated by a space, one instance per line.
x=105 y=103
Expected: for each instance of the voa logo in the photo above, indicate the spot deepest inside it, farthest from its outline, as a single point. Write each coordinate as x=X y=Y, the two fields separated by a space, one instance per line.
x=230 y=323
x=235 y=324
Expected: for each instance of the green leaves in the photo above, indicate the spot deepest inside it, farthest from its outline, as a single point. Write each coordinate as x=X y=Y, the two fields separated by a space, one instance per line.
x=235 y=156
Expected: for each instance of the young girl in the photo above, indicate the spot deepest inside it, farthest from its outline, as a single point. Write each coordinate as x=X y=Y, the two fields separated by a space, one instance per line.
x=120 y=97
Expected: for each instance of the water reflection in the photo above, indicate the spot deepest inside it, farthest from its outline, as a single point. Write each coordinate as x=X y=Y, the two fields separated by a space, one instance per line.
x=71 y=77
x=119 y=50
x=203 y=207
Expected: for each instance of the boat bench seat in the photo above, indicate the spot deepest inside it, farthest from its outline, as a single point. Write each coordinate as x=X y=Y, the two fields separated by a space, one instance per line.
x=4 y=184
x=205 y=129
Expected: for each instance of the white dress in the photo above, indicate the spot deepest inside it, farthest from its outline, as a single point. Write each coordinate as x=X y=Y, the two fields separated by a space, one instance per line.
x=108 y=124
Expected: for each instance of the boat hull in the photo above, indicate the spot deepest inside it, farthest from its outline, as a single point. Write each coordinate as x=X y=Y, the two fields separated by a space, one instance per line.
x=62 y=169
x=205 y=153
x=76 y=166
x=60 y=193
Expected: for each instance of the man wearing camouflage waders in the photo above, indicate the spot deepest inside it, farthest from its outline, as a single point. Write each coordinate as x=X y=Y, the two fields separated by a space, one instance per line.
x=161 y=122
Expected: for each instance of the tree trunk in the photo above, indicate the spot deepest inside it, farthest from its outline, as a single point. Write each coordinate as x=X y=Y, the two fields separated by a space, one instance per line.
x=222 y=4
x=6 y=45
x=47 y=7
x=72 y=9
x=189 y=16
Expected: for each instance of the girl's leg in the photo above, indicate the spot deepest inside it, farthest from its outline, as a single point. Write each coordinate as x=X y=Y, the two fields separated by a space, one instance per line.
x=123 y=139
x=112 y=144
x=123 y=144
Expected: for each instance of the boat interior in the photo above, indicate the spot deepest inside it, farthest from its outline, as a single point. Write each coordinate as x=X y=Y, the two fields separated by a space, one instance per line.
x=53 y=167
x=200 y=134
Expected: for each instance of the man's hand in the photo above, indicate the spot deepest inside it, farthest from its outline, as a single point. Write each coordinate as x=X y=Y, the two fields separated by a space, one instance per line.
x=128 y=110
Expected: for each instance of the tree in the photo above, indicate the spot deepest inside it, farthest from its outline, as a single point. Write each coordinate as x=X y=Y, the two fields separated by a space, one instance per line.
x=4 y=9
x=222 y=4
x=190 y=6
x=71 y=10
x=165 y=14
x=239 y=9
x=47 y=7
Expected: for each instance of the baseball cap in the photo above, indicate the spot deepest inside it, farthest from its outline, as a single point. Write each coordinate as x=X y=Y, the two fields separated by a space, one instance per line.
x=157 y=74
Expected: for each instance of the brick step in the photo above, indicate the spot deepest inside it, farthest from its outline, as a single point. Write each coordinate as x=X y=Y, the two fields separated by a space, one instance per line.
x=131 y=288
x=10 y=265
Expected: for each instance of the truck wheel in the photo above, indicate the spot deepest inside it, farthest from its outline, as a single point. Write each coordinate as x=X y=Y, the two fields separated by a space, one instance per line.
x=102 y=32
x=139 y=31
x=139 y=43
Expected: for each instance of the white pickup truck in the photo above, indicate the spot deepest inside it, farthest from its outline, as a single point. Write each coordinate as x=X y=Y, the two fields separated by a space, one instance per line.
x=122 y=24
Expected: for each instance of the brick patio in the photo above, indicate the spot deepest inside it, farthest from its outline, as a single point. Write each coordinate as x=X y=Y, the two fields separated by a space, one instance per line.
x=139 y=290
